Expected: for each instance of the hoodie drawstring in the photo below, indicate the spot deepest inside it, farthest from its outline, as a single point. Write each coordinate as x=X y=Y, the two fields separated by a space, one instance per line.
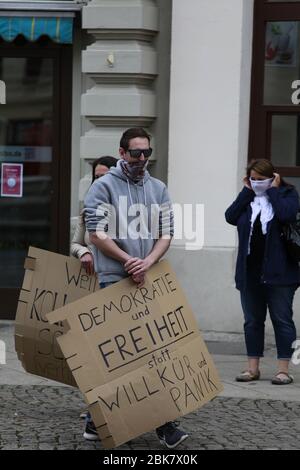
x=130 y=195
x=128 y=185
x=145 y=198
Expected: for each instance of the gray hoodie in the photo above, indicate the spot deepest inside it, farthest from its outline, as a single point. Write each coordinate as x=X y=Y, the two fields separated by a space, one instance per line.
x=102 y=206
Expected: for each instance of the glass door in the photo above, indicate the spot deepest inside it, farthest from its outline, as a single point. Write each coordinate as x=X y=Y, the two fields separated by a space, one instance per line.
x=275 y=118
x=30 y=164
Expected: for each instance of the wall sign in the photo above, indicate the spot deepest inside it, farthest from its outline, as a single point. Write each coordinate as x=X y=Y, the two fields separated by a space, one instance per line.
x=11 y=180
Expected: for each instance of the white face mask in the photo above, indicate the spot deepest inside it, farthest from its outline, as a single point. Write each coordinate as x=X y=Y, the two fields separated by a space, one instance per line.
x=261 y=186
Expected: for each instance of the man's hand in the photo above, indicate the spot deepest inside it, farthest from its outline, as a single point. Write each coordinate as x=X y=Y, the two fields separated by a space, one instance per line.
x=87 y=263
x=139 y=280
x=137 y=266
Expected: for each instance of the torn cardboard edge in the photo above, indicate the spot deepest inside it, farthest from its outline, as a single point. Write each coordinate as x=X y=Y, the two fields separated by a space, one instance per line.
x=30 y=263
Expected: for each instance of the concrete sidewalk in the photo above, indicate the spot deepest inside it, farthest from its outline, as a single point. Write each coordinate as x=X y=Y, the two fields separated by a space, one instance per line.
x=36 y=413
x=228 y=351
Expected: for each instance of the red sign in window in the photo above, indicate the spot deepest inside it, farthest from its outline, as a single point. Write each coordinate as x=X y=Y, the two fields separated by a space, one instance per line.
x=12 y=179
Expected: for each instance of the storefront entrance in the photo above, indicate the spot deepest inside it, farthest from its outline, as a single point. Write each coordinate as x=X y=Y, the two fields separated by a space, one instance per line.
x=35 y=135
x=275 y=118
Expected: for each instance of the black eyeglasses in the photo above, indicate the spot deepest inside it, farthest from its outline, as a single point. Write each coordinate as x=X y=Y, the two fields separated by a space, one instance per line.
x=136 y=153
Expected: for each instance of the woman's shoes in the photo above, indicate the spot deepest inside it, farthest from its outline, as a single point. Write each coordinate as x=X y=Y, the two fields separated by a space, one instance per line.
x=281 y=378
x=285 y=380
x=248 y=376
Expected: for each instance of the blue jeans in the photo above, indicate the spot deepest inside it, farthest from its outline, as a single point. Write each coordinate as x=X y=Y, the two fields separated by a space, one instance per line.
x=106 y=284
x=255 y=299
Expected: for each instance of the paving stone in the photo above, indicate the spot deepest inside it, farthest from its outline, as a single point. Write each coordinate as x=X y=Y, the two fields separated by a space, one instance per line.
x=46 y=418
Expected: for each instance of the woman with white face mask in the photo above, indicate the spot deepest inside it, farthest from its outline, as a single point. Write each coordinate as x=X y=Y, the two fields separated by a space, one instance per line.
x=265 y=274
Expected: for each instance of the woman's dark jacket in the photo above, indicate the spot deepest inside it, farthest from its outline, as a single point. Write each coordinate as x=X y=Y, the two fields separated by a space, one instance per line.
x=278 y=268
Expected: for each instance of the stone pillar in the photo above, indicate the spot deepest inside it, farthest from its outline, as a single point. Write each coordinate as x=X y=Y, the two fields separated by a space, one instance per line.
x=121 y=69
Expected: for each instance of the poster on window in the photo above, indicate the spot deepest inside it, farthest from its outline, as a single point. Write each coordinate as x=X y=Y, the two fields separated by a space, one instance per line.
x=281 y=43
x=11 y=180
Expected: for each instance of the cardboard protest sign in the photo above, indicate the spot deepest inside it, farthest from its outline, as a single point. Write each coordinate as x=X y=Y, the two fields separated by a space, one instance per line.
x=50 y=282
x=137 y=355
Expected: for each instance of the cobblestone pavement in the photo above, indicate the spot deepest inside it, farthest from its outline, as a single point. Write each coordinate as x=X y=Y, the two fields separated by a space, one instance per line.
x=44 y=417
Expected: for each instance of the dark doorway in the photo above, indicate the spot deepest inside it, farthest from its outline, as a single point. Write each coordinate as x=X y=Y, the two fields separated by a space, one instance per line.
x=275 y=118
x=35 y=156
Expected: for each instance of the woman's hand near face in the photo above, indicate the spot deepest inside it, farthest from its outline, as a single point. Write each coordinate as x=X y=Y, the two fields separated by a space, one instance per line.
x=87 y=263
x=247 y=182
x=277 y=181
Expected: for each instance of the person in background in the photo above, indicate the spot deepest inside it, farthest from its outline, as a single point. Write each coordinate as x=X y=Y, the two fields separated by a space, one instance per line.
x=266 y=275
x=80 y=245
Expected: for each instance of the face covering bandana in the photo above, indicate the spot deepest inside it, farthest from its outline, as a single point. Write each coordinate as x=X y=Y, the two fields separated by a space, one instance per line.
x=134 y=170
x=260 y=187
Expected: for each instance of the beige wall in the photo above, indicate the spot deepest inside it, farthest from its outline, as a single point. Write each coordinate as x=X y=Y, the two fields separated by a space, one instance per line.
x=209 y=125
x=209 y=110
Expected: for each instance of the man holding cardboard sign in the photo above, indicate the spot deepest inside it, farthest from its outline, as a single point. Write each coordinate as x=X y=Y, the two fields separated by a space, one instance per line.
x=129 y=217
x=137 y=355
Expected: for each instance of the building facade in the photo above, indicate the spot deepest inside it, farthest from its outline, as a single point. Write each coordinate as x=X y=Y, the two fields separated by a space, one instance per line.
x=230 y=101
x=211 y=81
